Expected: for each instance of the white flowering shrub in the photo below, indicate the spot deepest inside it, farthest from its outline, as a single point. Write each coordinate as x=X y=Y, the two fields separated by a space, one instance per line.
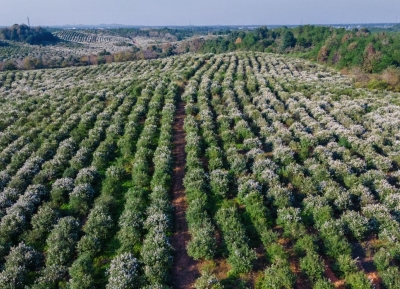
x=86 y=176
x=62 y=241
x=290 y=219
x=241 y=256
x=124 y=272
x=81 y=197
x=50 y=276
x=21 y=260
x=219 y=182
x=42 y=223
x=355 y=224
x=17 y=216
x=61 y=188
x=278 y=276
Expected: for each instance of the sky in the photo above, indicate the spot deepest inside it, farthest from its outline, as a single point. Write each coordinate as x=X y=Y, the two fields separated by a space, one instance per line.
x=203 y=12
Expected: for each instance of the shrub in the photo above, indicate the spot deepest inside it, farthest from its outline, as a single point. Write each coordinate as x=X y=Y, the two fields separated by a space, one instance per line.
x=21 y=260
x=60 y=190
x=358 y=280
x=304 y=245
x=313 y=266
x=356 y=224
x=241 y=256
x=390 y=277
x=42 y=223
x=202 y=244
x=290 y=219
x=346 y=264
x=278 y=276
x=156 y=255
x=124 y=272
x=207 y=281
x=81 y=273
x=62 y=241
x=219 y=181
x=50 y=277
x=81 y=197
x=382 y=259
x=323 y=284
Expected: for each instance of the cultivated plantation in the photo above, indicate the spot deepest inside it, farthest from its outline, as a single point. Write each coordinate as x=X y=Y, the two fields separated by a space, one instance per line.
x=239 y=170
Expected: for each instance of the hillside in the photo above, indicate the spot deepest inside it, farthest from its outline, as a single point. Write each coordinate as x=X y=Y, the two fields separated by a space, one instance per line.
x=236 y=170
x=24 y=33
x=374 y=57
x=371 y=57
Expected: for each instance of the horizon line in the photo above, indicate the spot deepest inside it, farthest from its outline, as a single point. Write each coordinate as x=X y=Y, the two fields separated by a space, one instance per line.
x=203 y=25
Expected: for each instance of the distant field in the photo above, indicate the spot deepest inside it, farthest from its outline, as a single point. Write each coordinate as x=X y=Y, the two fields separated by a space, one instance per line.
x=238 y=170
x=88 y=37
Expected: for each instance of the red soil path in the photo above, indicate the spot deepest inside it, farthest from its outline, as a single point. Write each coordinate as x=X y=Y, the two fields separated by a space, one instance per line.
x=184 y=269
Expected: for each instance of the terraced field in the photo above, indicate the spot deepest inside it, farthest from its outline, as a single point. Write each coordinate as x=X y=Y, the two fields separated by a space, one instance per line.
x=83 y=36
x=241 y=170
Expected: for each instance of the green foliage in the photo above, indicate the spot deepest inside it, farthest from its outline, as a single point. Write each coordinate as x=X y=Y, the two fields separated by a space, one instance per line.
x=323 y=284
x=278 y=276
x=313 y=266
x=304 y=245
x=23 y=33
x=207 y=281
x=241 y=257
x=358 y=280
x=390 y=277
x=288 y=40
x=42 y=223
x=382 y=259
x=334 y=46
x=81 y=273
x=377 y=84
x=62 y=241
x=346 y=264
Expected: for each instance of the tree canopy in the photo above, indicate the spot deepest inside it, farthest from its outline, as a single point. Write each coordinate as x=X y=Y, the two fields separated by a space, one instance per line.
x=24 y=33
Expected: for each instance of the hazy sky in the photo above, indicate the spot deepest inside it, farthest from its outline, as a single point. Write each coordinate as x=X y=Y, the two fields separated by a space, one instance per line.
x=200 y=12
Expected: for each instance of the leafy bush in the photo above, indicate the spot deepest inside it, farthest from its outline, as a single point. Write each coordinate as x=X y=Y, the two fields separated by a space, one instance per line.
x=81 y=273
x=358 y=280
x=21 y=260
x=124 y=272
x=207 y=281
x=62 y=241
x=278 y=276
x=313 y=266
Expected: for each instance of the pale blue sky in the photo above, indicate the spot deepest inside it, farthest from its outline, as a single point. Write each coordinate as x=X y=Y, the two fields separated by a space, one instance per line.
x=203 y=12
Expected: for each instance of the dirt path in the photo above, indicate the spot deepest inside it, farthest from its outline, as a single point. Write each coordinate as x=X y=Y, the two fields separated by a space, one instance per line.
x=184 y=268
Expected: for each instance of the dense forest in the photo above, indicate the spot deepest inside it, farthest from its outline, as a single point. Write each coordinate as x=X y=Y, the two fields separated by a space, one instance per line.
x=24 y=33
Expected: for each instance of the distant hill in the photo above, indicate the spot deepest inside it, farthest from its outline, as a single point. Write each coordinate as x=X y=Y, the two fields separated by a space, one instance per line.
x=24 y=33
x=339 y=47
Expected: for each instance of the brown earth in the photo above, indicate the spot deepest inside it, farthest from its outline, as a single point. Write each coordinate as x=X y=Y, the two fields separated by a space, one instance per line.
x=184 y=269
x=339 y=283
